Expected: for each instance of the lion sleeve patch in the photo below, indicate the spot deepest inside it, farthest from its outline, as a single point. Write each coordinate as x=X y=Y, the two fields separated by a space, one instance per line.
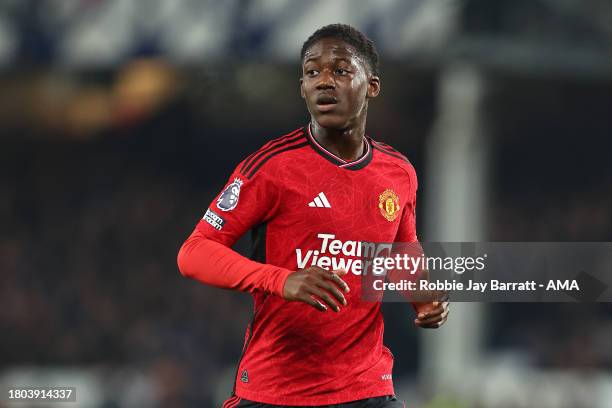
x=228 y=199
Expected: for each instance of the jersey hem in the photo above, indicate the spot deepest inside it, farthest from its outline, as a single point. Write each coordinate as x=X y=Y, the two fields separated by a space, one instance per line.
x=312 y=401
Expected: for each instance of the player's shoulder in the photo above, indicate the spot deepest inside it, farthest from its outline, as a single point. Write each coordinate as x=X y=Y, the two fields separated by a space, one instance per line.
x=271 y=151
x=389 y=154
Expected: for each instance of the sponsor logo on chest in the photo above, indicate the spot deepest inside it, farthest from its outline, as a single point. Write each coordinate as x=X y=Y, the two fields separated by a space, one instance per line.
x=335 y=254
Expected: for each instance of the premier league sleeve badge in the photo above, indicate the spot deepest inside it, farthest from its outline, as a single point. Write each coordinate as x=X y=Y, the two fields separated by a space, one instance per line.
x=228 y=199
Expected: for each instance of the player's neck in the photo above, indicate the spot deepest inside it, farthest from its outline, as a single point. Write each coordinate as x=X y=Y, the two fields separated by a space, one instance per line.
x=344 y=143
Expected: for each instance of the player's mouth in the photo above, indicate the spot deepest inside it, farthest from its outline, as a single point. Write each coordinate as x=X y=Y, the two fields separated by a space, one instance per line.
x=326 y=102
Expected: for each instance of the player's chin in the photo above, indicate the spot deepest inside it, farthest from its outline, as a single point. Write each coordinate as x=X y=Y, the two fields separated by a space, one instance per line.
x=332 y=120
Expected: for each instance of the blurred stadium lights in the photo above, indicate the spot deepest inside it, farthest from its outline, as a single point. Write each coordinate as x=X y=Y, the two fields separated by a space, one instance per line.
x=80 y=33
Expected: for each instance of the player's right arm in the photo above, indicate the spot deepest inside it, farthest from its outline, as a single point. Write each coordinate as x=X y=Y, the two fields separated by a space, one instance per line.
x=213 y=263
x=207 y=256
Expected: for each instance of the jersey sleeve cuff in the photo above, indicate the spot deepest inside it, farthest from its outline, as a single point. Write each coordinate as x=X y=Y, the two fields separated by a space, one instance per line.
x=277 y=283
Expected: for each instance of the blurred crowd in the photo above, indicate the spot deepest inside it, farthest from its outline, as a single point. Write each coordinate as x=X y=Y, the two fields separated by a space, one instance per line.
x=88 y=245
x=551 y=180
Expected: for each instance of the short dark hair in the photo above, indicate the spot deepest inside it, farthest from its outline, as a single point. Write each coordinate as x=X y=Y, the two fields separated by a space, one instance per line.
x=350 y=35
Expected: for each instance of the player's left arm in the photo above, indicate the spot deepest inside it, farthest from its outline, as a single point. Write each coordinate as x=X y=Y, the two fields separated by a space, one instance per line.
x=430 y=314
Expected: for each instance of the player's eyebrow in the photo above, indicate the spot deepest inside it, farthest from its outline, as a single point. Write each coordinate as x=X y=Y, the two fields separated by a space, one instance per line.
x=343 y=59
x=334 y=59
x=311 y=58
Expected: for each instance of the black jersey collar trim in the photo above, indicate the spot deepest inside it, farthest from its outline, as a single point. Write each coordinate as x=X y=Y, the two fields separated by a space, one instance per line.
x=356 y=164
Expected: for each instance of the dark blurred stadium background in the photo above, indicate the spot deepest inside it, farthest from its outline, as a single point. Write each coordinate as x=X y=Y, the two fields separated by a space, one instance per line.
x=120 y=119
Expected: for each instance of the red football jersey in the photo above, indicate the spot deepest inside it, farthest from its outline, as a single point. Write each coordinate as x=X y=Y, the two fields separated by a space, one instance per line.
x=307 y=207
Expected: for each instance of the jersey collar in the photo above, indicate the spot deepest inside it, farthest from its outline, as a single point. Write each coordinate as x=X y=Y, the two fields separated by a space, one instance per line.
x=356 y=164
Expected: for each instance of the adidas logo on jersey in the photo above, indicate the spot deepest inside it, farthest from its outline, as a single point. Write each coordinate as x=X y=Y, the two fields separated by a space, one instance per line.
x=320 y=201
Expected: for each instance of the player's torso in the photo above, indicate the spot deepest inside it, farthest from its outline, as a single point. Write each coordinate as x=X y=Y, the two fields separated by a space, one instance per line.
x=324 y=213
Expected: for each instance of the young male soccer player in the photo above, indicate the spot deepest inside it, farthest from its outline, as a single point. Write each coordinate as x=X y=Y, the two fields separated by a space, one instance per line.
x=311 y=197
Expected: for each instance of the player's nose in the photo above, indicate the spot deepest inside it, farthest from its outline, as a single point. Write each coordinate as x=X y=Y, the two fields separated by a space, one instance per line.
x=326 y=80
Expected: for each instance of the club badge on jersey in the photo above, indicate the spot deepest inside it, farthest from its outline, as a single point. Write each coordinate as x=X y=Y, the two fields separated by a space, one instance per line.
x=388 y=203
x=228 y=199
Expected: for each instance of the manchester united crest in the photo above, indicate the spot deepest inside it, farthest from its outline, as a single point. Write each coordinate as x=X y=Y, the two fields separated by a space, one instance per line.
x=388 y=204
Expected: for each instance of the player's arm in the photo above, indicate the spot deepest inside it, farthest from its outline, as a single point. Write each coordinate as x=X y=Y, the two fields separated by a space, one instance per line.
x=430 y=314
x=215 y=264
x=207 y=256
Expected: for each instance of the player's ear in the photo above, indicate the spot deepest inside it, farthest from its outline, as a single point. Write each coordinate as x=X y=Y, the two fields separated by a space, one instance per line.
x=302 y=88
x=373 y=86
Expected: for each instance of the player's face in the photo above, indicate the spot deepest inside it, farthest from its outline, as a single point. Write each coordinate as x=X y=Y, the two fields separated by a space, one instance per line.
x=336 y=84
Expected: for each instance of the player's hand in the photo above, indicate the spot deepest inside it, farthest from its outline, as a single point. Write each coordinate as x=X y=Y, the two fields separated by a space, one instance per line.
x=431 y=315
x=318 y=287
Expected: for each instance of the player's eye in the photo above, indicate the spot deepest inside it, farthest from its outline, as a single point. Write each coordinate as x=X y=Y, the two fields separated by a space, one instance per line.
x=312 y=72
x=341 y=71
